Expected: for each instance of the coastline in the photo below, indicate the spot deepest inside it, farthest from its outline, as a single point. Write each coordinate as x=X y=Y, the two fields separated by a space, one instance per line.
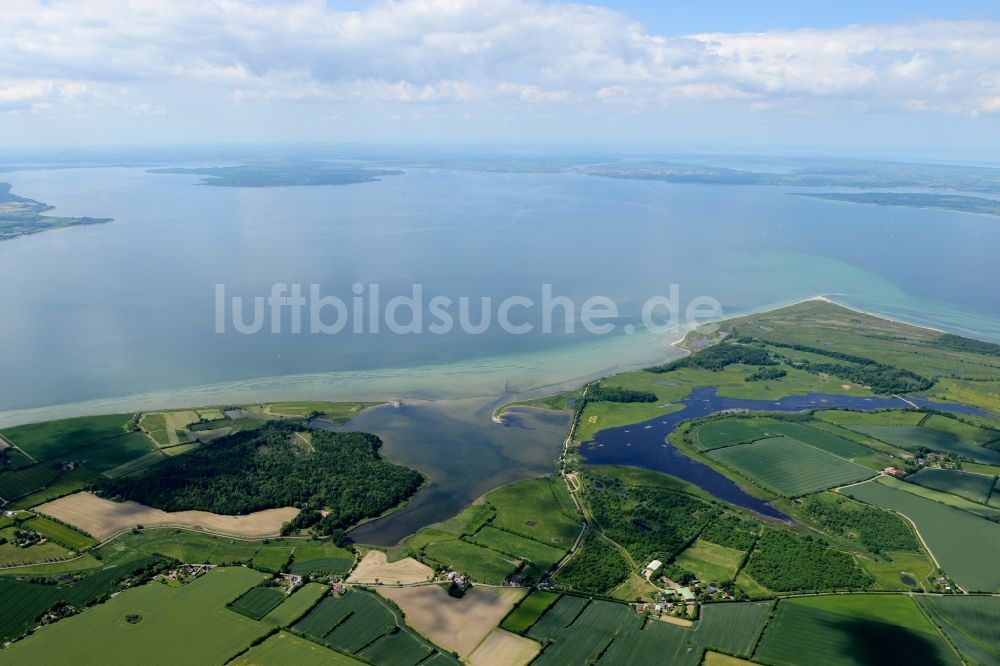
x=489 y=378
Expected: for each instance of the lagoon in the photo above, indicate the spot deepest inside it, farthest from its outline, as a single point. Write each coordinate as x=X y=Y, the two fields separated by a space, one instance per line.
x=646 y=445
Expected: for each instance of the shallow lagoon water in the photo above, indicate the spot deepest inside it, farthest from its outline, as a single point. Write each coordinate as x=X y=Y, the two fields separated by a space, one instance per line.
x=463 y=453
x=645 y=444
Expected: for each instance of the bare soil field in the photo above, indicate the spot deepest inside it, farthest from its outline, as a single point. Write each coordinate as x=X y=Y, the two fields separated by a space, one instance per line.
x=454 y=624
x=103 y=518
x=503 y=647
x=375 y=568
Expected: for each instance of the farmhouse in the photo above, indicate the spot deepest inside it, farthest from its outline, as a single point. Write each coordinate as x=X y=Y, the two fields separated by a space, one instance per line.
x=894 y=471
x=651 y=568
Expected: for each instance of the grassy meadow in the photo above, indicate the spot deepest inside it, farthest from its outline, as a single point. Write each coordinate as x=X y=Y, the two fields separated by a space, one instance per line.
x=197 y=612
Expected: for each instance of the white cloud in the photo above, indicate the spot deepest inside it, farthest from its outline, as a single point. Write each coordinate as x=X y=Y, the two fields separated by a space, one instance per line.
x=38 y=94
x=455 y=51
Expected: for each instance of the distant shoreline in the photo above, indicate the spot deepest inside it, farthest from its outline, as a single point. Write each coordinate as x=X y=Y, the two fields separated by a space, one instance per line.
x=280 y=388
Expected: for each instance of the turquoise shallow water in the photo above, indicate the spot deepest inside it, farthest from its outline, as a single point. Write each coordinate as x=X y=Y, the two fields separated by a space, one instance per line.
x=122 y=315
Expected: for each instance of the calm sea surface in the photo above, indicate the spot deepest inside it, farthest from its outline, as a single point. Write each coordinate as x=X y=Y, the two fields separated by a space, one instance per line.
x=121 y=316
x=124 y=312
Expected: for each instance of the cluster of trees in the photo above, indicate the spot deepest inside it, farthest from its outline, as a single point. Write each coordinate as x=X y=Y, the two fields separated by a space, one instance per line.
x=619 y=394
x=765 y=374
x=784 y=562
x=958 y=343
x=596 y=568
x=882 y=378
x=731 y=531
x=876 y=530
x=320 y=525
x=271 y=467
x=676 y=573
x=717 y=357
x=648 y=522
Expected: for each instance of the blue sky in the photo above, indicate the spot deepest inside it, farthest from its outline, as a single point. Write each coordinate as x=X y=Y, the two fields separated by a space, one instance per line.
x=875 y=78
x=678 y=18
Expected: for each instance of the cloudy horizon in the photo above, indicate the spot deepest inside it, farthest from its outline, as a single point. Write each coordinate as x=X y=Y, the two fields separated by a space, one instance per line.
x=504 y=70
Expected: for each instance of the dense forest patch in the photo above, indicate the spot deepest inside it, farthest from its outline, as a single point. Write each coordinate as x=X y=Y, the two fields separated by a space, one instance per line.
x=275 y=467
x=784 y=562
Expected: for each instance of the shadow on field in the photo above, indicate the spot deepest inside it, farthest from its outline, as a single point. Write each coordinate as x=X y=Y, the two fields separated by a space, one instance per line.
x=878 y=644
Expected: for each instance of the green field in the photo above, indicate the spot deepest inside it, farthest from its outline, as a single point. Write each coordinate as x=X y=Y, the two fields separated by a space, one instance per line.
x=790 y=467
x=978 y=468
x=98 y=442
x=580 y=632
x=518 y=547
x=10 y=554
x=917 y=437
x=468 y=520
x=361 y=619
x=889 y=567
x=559 y=616
x=988 y=512
x=298 y=604
x=963 y=544
x=971 y=622
x=361 y=623
x=893 y=417
x=311 y=557
x=190 y=624
x=65 y=438
x=532 y=509
x=527 y=612
x=197 y=548
x=709 y=562
x=964 y=431
x=851 y=629
x=482 y=564
x=272 y=558
x=258 y=601
x=283 y=649
x=821 y=439
x=11 y=458
x=611 y=629
x=399 y=649
x=27 y=480
x=61 y=534
x=155 y=425
x=732 y=628
x=726 y=432
x=532 y=520
x=974 y=487
x=24 y=600
x=335 y=412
